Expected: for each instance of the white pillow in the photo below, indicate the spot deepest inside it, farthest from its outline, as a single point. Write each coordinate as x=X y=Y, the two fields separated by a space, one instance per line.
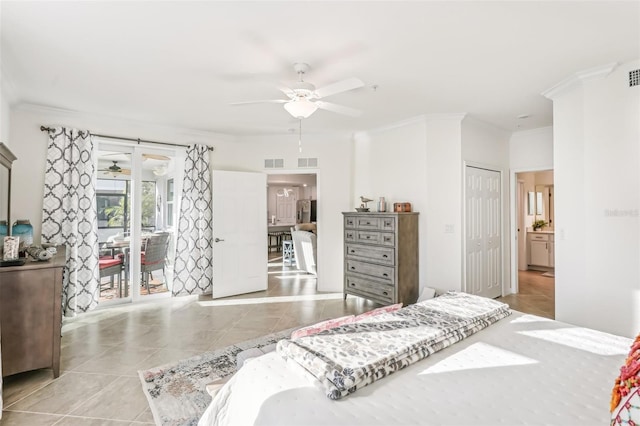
x=426 y=294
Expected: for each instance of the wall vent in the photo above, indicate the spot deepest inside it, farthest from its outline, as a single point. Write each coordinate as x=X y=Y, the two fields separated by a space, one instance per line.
x=307 y=162
x=274 y=163
x=634 y=78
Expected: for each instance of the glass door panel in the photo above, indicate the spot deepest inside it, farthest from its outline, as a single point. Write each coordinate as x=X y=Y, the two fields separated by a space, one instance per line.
x=157 y=213
x=113 y=206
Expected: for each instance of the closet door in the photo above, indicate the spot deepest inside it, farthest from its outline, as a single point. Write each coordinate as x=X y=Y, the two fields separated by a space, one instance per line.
x=483 y=232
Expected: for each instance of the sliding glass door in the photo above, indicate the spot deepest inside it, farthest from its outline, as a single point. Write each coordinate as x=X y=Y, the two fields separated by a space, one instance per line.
x=137 y=194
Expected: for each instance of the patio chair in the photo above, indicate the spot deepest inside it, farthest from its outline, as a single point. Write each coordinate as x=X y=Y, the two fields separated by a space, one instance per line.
x=110 y=266
x=154 y=256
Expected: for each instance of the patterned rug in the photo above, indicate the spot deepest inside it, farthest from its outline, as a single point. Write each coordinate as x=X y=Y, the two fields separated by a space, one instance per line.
x=176 y=392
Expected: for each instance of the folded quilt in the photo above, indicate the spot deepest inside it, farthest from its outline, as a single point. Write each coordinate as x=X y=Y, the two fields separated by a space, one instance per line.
x=354 y=355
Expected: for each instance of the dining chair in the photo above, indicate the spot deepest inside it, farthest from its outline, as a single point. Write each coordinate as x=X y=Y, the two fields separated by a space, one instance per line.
x=110 y=266
x=154 y=256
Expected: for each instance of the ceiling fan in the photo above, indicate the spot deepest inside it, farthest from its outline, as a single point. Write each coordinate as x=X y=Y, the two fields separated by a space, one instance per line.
x=305 y=99
x=115 y=170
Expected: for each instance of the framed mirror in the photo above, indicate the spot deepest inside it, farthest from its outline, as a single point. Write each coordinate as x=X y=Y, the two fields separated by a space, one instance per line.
x=531 y=203
x=6 y=159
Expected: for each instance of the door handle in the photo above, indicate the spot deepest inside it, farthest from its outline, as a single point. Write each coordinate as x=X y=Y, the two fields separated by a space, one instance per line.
x=217 y=240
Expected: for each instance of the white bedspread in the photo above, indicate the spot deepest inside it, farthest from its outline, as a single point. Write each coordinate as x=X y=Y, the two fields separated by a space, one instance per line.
x=522 y=370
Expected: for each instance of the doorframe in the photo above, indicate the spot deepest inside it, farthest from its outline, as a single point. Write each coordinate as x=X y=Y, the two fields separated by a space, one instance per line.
x=492 y=168
x=513 y=188
x=319 y=211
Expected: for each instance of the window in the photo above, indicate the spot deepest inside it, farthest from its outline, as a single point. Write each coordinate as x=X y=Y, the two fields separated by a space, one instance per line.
x=113 y=198
x=170 y=202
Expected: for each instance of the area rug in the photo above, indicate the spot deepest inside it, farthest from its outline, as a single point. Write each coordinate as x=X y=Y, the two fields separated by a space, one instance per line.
x=176 y=392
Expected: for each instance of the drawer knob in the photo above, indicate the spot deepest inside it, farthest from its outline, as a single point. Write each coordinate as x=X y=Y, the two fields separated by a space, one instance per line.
x=368 y=236
x=352 y=284
x=385 y=275
x=353 y=268
x=353 y=251
x=368 y=223
x=385 y=293
x=385 y=256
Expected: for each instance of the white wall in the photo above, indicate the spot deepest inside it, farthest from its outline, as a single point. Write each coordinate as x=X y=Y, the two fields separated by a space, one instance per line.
x=419 y=161
x=334 y=153
x=531 y=149
x=488 y=146
x=390 y=163
x=597 y=183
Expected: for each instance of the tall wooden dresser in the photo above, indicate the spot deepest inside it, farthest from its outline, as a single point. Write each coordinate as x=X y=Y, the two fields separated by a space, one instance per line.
x=31 y=315
x=381 y=256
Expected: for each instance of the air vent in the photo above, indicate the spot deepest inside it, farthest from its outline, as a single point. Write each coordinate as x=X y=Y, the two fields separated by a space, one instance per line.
x=634 y=78
x=307 y=162
x=274 y=163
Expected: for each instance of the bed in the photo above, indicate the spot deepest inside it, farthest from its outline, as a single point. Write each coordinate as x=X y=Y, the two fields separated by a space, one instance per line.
x=521 y=370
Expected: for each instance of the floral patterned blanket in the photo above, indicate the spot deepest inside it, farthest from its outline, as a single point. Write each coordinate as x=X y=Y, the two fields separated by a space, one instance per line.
x=352 y=356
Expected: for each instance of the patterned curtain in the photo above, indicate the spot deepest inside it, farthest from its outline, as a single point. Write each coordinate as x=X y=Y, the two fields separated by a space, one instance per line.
x=69 y=215
x=193 y=270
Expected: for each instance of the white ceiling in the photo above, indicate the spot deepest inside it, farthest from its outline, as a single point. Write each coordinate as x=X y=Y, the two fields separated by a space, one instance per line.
x=181 y=63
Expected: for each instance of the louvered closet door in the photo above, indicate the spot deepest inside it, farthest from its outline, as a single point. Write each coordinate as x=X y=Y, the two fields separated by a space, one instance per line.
x=483 y=232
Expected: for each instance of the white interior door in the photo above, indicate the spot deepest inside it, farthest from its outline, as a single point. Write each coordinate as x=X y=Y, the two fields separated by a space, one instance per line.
x=240 y=233
x=483 y=229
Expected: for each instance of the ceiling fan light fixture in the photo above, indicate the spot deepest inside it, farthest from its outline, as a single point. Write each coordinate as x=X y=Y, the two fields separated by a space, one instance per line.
x=300 y=107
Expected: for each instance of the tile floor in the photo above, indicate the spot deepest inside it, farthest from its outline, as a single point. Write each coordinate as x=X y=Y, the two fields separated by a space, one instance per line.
x=103 y=350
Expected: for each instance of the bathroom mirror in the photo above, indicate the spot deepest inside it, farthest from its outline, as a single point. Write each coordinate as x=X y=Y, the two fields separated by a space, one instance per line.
x=545 y=203
x=6 y=158
x=531 y=203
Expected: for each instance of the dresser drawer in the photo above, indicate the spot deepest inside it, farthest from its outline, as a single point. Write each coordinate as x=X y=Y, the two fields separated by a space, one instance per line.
x=382 y=255
x=365 y=222
x=380 y=272
x=368 y=237
x=369 y=289
x=387 y=223
x=350 y=235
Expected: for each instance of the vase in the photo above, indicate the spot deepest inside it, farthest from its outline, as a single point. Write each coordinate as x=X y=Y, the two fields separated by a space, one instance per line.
x=382 y=205
x=23 y=230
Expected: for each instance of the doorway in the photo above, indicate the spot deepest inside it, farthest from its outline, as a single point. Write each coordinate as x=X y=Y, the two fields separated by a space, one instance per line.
x=533 y=256
x=292 y=206
x=137 y=190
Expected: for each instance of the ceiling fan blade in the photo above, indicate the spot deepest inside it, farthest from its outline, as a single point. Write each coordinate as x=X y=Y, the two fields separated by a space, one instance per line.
x=125 y=171
x=270 y=101
x=287 y=91
x=339 y=87
x=155 y=157
x=340 y=109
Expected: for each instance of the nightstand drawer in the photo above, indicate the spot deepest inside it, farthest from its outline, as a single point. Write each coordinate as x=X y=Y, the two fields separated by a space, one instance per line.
x=382 y=255
x=384 y=273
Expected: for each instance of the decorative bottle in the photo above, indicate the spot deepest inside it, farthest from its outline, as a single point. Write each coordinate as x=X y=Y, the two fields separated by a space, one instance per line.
x=382 y=205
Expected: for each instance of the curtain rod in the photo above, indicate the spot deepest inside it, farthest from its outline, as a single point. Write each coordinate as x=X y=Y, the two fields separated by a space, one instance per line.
x=138 y=140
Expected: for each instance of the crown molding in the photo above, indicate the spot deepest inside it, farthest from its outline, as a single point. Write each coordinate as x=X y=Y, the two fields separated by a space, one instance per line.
x=73 y=115
x=578 y=78
x=423 y=118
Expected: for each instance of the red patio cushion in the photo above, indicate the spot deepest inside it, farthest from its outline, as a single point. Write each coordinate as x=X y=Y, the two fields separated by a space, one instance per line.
x=105 y=263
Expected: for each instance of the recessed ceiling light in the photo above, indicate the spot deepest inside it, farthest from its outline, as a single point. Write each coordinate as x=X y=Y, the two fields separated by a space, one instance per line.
x=522 y=116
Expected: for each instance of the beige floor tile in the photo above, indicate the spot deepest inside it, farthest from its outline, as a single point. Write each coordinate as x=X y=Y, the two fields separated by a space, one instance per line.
x=85 y=421
x=145 y=417
x=122 y=399
x=75 y=355
x=120 y=361
x=65 y=394
x=166 y=356
x=19 y=386
x=11 y=418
